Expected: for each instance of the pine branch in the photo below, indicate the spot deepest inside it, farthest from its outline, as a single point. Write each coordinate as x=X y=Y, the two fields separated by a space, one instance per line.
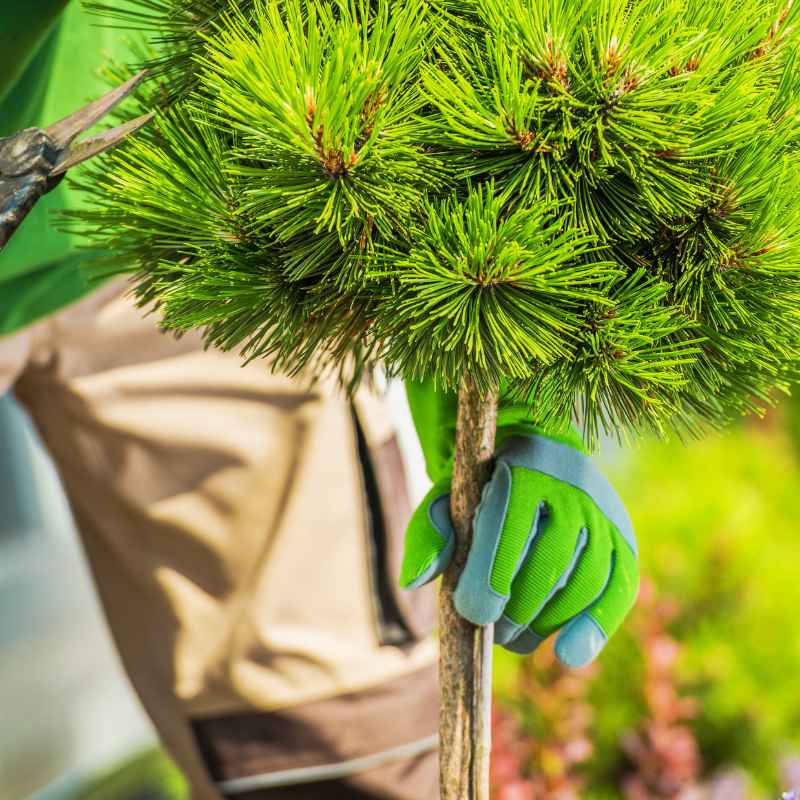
x=592 y=204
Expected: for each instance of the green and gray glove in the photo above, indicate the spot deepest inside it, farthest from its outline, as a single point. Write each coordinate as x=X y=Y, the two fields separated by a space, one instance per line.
x=553 y=546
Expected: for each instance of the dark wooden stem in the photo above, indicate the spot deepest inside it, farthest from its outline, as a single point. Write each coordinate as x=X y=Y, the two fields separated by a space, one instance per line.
x=465 y=660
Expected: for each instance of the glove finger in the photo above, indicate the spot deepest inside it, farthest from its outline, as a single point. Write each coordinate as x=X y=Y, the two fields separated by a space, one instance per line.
x=547 y=567
x=584 y=586
x=525 y=641
x=505 y=524
x=582 y=583
x=584 y=637
x=430 y=539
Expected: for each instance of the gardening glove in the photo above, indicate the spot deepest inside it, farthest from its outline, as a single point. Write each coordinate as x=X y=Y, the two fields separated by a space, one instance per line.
x=553 y=547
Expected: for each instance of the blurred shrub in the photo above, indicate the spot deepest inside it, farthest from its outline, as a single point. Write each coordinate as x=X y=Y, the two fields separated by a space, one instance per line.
x=704 y=681
x=537 y=750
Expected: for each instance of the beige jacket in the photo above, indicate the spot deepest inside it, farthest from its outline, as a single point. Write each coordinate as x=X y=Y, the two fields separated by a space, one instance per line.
x=244 y=533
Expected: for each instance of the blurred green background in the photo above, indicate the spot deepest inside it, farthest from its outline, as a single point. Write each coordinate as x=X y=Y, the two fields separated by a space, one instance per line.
x=698 y=698
x=699 y=695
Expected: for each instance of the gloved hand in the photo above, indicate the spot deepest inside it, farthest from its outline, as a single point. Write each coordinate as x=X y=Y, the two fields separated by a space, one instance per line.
x=553 y=546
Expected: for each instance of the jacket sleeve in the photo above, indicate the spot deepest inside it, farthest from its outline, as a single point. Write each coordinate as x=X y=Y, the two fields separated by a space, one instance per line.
x=23 y=28
x=434 y=414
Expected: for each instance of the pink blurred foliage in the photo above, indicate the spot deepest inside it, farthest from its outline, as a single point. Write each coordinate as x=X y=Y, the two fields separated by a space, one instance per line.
x=527 y=766
x=790 y=773
x=662 y=749
x=541 y=742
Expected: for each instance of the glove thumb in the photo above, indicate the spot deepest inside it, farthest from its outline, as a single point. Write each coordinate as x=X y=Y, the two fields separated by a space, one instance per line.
x=430 y=539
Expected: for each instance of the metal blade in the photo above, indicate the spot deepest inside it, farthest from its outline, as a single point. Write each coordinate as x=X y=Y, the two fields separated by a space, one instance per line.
x=83 y=151
x=64 y=132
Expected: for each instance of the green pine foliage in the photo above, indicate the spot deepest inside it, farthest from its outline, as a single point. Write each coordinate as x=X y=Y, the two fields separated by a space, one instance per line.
x=176 y=30
x=532 y=273
x=588 y=203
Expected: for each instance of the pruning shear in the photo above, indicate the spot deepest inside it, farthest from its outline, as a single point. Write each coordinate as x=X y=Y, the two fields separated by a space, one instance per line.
x=34 y=161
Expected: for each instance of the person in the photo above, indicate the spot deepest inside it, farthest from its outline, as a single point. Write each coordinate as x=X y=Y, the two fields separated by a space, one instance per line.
x=246 y=532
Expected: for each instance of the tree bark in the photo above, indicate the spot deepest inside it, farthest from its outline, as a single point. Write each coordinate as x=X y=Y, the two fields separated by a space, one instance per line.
x=465 y=660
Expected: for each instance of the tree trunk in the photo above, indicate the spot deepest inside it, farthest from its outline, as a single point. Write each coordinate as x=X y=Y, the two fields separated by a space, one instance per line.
x=465 y=661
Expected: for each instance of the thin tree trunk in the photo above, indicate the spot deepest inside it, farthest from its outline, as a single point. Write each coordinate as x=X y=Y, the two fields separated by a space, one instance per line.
x=465 y=661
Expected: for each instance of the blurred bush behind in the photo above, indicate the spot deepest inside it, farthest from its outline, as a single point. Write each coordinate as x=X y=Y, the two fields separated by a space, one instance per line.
x=698 y=697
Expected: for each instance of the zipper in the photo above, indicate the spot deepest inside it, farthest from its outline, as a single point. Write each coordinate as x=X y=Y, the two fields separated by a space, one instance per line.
x=390 y=622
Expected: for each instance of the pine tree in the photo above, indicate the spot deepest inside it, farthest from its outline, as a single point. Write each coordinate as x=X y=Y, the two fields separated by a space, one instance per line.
x=586 y=205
